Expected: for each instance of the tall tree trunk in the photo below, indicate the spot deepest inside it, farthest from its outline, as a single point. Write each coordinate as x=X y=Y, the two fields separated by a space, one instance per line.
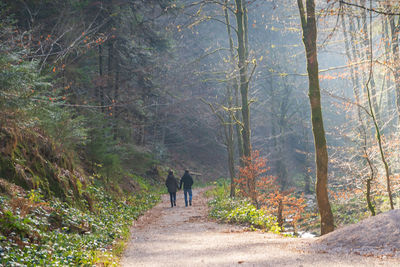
x=230 y=144
x=238 y=127
x=368 y=55
x=228 y=132
x=235 y=85
x=116 y=96
x=278 y=124
x=142 y=137
x=245 y=27
x=321 y=154
x=389 y=82
x=244 y=83
x=241 y=15
x=383 y=157
x=374 y=119
x=110 y=83
x=101 y=79
x=232 y=83
x=280 y=213
x=227 y=126
x=307 y=176
x=395 y=29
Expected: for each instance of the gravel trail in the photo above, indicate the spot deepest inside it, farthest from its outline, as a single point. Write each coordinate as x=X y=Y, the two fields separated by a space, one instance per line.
x=184 y=236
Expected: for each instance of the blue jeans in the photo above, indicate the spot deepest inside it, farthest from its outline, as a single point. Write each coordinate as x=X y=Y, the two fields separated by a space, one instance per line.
x=185 y=192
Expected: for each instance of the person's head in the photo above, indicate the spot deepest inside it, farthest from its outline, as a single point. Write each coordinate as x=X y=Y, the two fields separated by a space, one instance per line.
x=187 y=171
x=170 y=172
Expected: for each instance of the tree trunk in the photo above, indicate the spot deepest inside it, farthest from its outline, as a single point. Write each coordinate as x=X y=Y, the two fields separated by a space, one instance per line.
x=368 y=55
x=383 y=157
x=395 y=29
x=238 y=128
x=280 y=214
x=142 y=134
x=241 y=15
x=321 y=154
x=243 y=84
x=278 y=124
x=307 y=184
x=231 y=154
x=116 y=97
x=368 y=193
x=389 y=83
x=101 y=79
x=232 y=83
x=374 y=119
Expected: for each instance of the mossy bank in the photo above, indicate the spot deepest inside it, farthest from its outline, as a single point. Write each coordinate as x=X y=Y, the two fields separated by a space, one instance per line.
x=55 y=210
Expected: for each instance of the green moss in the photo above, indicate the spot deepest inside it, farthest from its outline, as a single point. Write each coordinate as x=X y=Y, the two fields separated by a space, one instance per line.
x=7 y=169
x=57 y=186
x=18 y=155
x=10 y=173
x=39 y=166
x=79 y=186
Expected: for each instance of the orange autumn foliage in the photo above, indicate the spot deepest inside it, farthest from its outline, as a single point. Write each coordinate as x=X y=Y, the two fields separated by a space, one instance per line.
x=253 y=168
x=282 y=204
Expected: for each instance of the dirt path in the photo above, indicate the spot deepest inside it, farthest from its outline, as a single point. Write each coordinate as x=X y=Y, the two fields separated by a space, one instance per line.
x=183 y=236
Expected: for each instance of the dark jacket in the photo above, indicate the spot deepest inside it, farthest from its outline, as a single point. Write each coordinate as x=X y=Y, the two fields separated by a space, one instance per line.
x=187 y=181
x=171 y=183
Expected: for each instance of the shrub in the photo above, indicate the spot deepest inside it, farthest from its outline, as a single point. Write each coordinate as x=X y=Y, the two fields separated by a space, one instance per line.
x=241 y=211
x=265 y=192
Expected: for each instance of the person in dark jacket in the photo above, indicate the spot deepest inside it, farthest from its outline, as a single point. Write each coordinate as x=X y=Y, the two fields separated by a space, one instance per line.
x=187 y=182
x=172 y=185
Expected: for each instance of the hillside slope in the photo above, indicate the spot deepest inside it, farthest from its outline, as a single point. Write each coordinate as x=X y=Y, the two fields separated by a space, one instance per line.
x=31 y=160
x=375 y=236
x=52 y=213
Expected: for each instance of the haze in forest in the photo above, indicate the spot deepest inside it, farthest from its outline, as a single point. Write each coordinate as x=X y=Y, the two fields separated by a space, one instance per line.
x=290 y=106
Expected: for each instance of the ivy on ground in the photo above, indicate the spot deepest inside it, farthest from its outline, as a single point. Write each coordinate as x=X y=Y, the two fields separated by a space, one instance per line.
x=239 y=210
x=56 y=234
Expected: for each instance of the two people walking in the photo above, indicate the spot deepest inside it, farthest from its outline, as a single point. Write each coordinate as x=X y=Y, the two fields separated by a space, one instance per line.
x=172 y=185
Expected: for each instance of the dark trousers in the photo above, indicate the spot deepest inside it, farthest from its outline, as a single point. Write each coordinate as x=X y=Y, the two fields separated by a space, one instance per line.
x=172 y=197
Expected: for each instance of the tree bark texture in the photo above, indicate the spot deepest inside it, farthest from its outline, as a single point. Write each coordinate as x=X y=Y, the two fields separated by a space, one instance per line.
x=231 y=155
x=395 y=29
x=232 y=85
x=321 y=154
x=101 y=86
x=244 y=83
x=241 y=15
x=235 y=85
x=116 y=97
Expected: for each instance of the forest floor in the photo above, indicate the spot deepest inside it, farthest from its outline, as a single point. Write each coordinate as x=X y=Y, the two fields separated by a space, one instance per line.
x=185 y=236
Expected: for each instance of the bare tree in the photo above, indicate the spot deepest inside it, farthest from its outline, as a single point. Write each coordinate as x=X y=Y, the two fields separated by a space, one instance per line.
x=321 y=154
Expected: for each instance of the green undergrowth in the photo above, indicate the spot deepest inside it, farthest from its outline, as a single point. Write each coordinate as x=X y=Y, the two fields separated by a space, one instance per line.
x=237 y=210
x=39 y=232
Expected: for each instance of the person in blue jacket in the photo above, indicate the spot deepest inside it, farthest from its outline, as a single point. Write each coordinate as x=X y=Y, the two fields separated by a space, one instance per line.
x=187 y=182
